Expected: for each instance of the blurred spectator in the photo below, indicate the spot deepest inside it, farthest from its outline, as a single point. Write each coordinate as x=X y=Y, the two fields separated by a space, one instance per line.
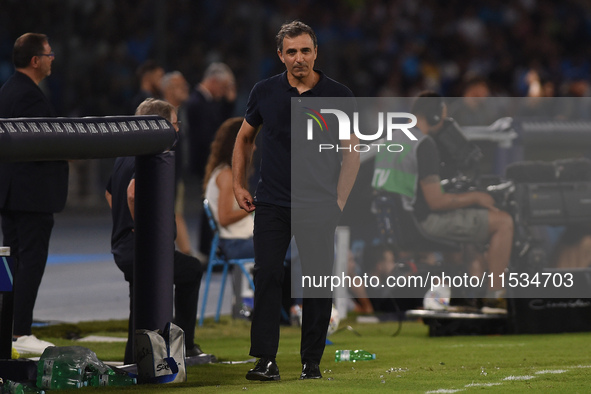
x=362 y=304
x=387 y=261
x=474 y=109
x=573 y=249
x=235 y=225
x=578 y=106
x=175 y=90
x=209 y=105
x=539 y=92
x=150 y=76
x=538 y=87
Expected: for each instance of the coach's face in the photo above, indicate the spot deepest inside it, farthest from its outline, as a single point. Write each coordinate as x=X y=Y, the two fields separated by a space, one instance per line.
x=298 y=55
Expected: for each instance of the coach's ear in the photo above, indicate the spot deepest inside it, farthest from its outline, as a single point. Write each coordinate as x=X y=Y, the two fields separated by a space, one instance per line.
x=280 y=56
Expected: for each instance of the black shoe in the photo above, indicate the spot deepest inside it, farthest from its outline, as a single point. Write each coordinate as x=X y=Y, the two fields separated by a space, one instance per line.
x=194 y=351
x=264 y=370
x=310 y=371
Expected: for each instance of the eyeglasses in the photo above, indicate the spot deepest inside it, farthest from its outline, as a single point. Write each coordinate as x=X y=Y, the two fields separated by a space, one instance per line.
x=50 y=55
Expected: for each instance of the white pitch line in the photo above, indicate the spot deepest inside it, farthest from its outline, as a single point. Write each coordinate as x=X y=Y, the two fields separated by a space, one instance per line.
x=487 y=345
x=551 y=371
x=512 y=377
x=526 y=377
x=483 y=384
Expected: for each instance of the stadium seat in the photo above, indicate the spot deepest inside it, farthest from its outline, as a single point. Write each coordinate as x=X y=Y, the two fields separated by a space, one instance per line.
x=217 y=257
x=400 y=227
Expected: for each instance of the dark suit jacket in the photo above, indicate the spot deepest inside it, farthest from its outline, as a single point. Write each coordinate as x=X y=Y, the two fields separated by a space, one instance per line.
x=205 y=116
x=40 y=186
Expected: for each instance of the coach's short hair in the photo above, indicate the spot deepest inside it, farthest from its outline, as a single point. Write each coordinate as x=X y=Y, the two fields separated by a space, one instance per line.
x=27 y=46
x=152 y=106
x=294 y=29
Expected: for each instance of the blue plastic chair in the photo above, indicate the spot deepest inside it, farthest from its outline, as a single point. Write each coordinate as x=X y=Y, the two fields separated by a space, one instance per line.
x=217 y=257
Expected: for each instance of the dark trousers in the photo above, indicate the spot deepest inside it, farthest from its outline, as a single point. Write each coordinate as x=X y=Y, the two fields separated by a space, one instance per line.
x=27 y=234
x=313 y=229
x=187 y=280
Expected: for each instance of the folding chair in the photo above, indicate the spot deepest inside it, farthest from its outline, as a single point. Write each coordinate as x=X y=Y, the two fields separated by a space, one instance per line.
x=217 y=257
x=401 y=227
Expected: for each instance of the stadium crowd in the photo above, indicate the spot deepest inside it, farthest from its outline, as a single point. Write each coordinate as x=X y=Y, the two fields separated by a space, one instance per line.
x=391 y=48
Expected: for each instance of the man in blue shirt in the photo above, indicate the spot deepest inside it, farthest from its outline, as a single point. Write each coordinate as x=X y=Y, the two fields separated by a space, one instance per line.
x=120 y=194
x=311 y=217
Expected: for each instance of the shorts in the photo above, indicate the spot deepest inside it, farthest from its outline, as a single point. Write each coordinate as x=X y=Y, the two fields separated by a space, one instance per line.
x=460 y=225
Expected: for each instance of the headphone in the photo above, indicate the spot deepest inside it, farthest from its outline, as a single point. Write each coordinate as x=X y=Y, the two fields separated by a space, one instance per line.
x=434 y=117
x=429 y=105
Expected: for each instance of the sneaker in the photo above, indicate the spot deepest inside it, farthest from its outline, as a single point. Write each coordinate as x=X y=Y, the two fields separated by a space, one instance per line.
x=463 y=305
x=30 y=344
x=494 y=306
x=194 y=351
x=462 y=309
x=437 y=299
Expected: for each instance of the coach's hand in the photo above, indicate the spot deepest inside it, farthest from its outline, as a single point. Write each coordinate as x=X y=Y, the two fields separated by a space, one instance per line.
x=244 y=199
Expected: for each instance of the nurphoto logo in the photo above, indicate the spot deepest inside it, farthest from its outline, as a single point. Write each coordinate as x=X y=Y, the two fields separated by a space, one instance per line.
x=344 y=131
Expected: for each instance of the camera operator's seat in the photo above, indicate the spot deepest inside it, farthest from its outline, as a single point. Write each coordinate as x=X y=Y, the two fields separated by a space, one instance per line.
x=401 y=227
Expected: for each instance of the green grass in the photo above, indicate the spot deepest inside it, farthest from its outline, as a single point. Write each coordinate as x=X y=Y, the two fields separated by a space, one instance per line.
x=427 y=364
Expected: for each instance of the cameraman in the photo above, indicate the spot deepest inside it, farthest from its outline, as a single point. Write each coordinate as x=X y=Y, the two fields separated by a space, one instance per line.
x=462 y=217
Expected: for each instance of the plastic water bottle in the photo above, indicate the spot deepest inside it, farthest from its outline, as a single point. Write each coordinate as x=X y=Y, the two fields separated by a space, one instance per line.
x=112 y=380
x=61 y=369
x=10 y=387
x=46 y=363
x=93 y=370
x=68 y=367
x=353 y=355
x=59 y=383
x=58 y=374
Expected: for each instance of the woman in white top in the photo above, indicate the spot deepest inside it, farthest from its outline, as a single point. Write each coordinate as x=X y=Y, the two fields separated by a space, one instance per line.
x=235 y=225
